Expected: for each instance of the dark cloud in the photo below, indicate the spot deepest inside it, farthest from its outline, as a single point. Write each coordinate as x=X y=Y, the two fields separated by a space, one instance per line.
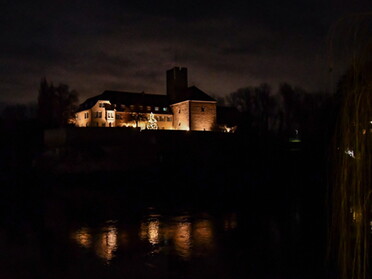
x=97 y=45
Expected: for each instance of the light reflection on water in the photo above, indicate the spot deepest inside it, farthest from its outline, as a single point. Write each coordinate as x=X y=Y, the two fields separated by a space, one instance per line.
x=83 y=237
x=183 y=236
x=203 y=233
x=182 y=239
x=107 y=243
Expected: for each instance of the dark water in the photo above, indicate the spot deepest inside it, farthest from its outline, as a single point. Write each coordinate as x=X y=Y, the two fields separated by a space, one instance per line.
x=231 y=219
x=70 y=236
x=159 y=246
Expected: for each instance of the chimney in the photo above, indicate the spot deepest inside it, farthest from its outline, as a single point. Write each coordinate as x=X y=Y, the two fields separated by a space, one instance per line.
x=176 y=83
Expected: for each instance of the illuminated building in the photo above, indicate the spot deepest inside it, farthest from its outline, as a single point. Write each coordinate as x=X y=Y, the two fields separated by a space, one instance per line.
x=182 y=108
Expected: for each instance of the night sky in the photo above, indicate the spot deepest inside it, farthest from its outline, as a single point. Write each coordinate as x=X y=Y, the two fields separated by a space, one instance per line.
x=115 y=45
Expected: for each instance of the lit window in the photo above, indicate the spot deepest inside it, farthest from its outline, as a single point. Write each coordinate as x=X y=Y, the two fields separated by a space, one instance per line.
x=148 y=108
x=165 y=109
x=141 y=107
x=156 y=108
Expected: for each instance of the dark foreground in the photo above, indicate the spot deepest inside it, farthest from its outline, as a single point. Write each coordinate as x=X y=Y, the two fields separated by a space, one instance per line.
x=252 y=210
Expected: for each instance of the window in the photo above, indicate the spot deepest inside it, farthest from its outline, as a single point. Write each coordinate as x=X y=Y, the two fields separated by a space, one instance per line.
x=156 y=108
x=141 y=107
x=165 y=109
x=101 y=105
x=202 y=109
x=131 y=107
x=98 y=114
x=169 y=119
x=148 y=108
x=179 y=110
x=161 y=118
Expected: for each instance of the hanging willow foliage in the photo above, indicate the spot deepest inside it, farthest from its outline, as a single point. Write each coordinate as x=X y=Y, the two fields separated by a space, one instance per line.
x=350 y=199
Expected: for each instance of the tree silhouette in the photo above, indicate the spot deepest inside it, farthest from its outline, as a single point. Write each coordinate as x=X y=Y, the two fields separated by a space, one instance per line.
x=291 y=109
x=56 y=105
x=257 y=106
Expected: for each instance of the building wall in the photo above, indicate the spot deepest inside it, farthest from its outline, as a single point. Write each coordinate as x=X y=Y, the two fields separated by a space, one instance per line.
x=203 y=115
x=187 y=115
x=181 y=115
x=165 y=121
x=127 y=119
x=98 y=116
x=83 y=118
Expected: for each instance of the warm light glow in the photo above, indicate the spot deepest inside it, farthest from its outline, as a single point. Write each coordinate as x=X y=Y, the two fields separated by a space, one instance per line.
x=152 y=122
x=83 y=237
x=357 y=215
x=150 y=231
x=107 y=244
x=182 y=239
x=203 y=234
x=153 y=232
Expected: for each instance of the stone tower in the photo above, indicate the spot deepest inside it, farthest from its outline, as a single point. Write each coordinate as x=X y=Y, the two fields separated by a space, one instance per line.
x=176 y=83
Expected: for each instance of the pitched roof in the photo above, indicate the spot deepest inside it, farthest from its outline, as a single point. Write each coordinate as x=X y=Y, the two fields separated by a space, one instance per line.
x=119 y=98
x=127 y=98
x=194 y=93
